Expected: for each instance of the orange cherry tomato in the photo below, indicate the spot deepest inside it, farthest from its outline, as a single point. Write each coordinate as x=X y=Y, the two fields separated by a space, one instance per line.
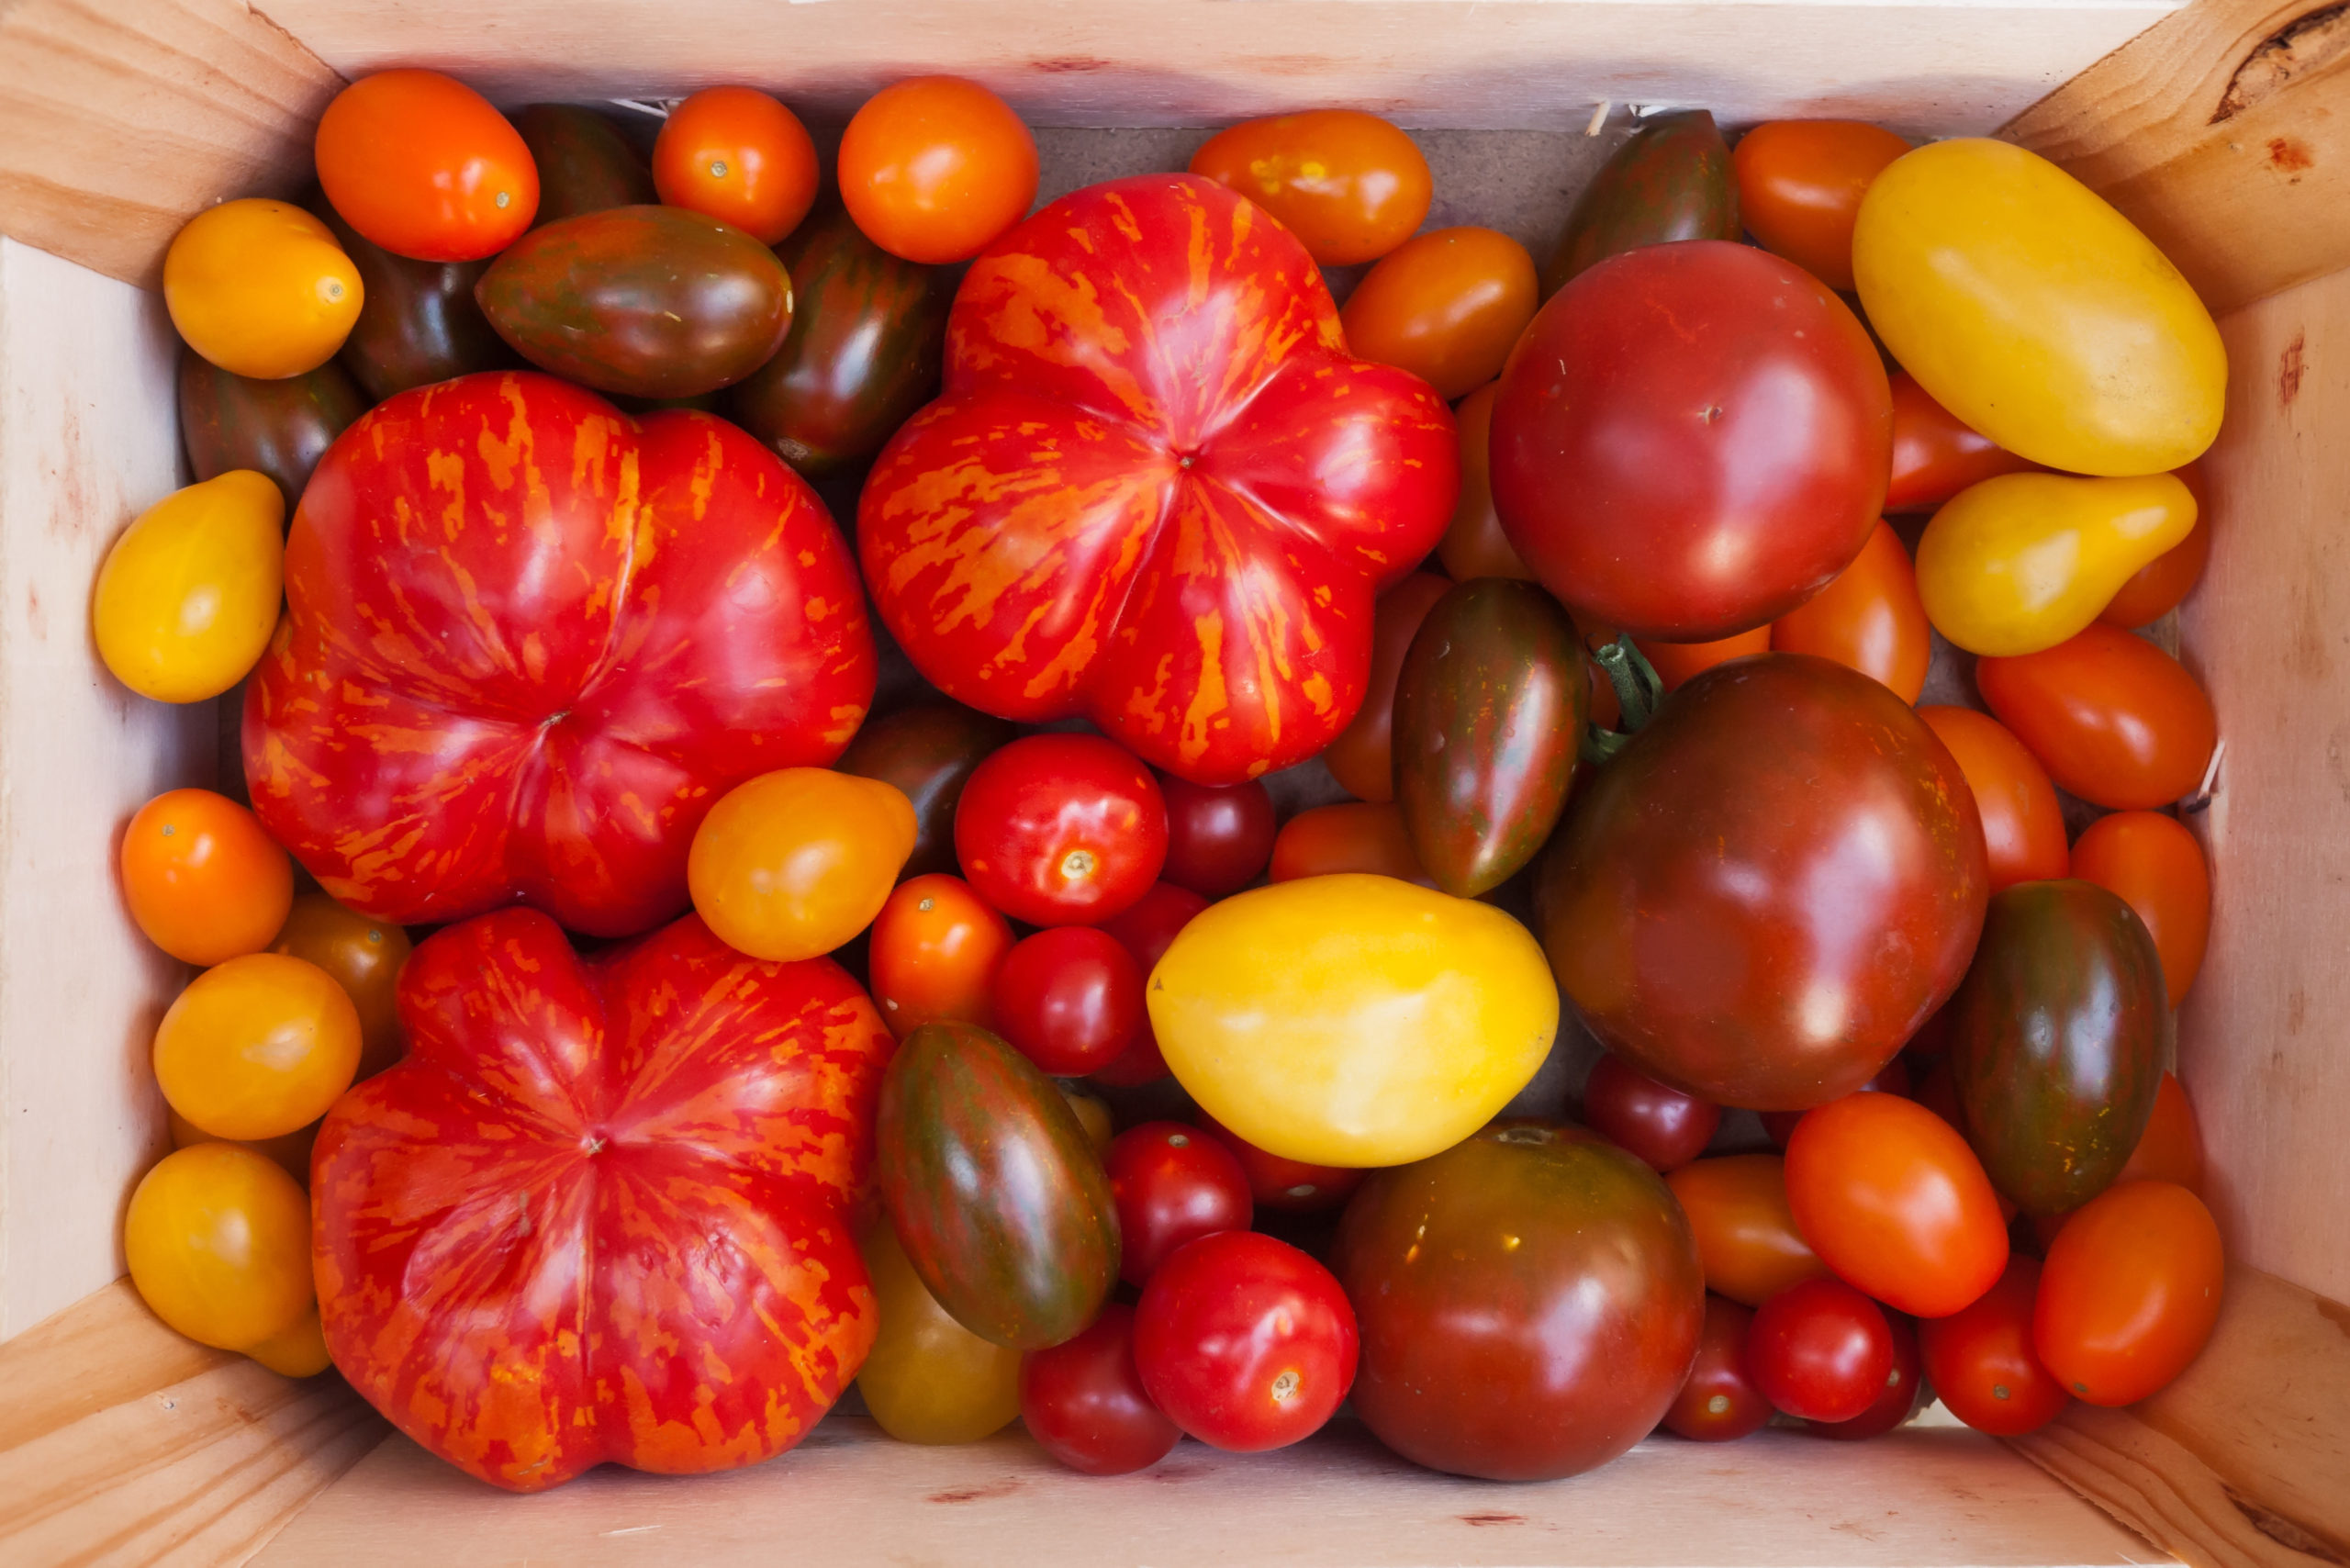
x=1362 y=756
x=1474 y=545
x=2152 y=864
x=1678 y=663
x=1892 y=1198
x=202 y=877
x=935 y=169
x=1934 y=455
x=364 y=957
x=2023 y=827
x=934 y=953
x=257 y=1048
x=2129 y=1293
x=735 y=154
x=1800 y=187
x=2113 y=718
x=2171 y=1149
x=1448 y=307
x=1348 y=184
x=1353 y=836
x=1981 y=1362
x=422 y=165
x=793 y=863
x=2164 y=582
x=1746 y=1233
x=1869 y=618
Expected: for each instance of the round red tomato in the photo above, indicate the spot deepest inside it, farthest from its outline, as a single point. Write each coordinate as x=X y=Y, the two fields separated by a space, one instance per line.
x=935 y=168
x=1719 y=1404
x=1069 y=999
x=1447 y=306
x=1799 y=188
x=1217 y=839
x=1062 y=830
x=2114 y=719
x=735 y=154
x=1246 y=1342
x=1350 y=835
x=1362 y=756
x=1934 y=457
x=1870 y=618
x=1348 y=184
x=1821 y=1349
x=1286 y=1186
x=2129 y=1291
x=933 y=954
x=1650 y=1121
x=1892 y=1198
x=1691 y=440
x=2023 y=827
x=1147 y=929
x=2152 y=862
x=1173 y=1184
x=1980 y=1359
x=1084 y=1402
x=422 y=165
x=1896 y=1402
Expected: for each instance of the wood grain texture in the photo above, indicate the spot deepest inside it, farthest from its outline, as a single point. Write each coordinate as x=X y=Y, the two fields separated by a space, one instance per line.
x=2226 y=121
x=103 y=1350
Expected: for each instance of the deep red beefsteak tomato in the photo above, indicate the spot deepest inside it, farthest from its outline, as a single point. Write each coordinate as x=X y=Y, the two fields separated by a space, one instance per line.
x=601 y=1210
x=530 y=643
x=1156 y=491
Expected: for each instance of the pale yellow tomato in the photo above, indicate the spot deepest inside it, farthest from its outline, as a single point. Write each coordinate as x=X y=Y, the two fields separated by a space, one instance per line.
x=1353 y=1020
x=188 y=595
x=260 y=289
x=218 y=1241
x=2035 y=313
x=258 y=1047
x=299 y=1349
x=794 y=863
x=929 y=1379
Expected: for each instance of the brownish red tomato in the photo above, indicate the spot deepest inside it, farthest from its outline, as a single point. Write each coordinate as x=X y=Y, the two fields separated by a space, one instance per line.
x=1353 y=835
x=202 y=877
x=1896 y=1402
x=1173 y=1184
x=1069 y=999
x=2152 y=862
x=1083 y=1400
x=1348 y=184
x=935 y=168
x=1148 y=927
x=1362 y=756
x=2129 y=1291
x=1217 y=839
x=1746 y=1233
x=1654 y=1123
x=1062 y=830
x=935 y=951
x=364 y=957
x=1246 y=1342
x=2023 y=827
x=1676 y=663
x=1980 y=1360
x=735 y=154
x=929 y=753
x=2114 y=719
x=1821 y=1349
x=2158 y=587
x=1474 y=545
x=1869 y=618
x=1799 y=188
x=1447 y=306
x=2171 y=1149
x=1935 y=456
x=422 y=165
x=1288 y=1186
x=1719 y=1404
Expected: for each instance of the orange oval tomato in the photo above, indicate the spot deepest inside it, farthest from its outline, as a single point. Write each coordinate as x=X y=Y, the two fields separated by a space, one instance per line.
x=1474 y=544
x=1981 y=1363
x=1353 y=835
x=424 y=166
x=793 y=863
x=1676 y=663
x=1447 y=306
x=736 y=154
x=364 y=957
x=1935 y=456
x=1870 y=617
x=2160 y=585
x=1362 y=757
x=934 y=169
x=2023 y=827
x=1348 y=184
x=2171 y=1149
x=1746 y=1233
x=261 y=288
x=1800 y=187
x=2129 y=1291
x=2113 y=718
x=258 y=1047
x=934 y=952
x=202 y=877
x=2152 y=864
x=218 y=1242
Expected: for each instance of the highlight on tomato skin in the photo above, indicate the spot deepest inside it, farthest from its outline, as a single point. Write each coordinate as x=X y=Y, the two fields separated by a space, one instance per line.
x=2129 y=1293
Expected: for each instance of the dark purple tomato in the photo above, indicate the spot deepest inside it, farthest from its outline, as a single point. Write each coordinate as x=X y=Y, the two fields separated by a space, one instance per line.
x=1651 y=1121
x=1069 y=999
x=1062 y=830
x=1895 y=1400
x=1148 y=927
x=1821 y=1349
x=1083 y=1401
x=1719 y=1404
x=1173 y=1184
x=1218 y=840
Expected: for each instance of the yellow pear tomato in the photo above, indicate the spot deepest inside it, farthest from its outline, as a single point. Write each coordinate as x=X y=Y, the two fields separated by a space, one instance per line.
x=219 y=1246
x=1353 y=1020
x=188 y=595
x=260 y=289
x=929 y=1379
x=793 y=863
x=2035 y=313
x=258 y=1047
x=2021 y=563
x=299 y=1349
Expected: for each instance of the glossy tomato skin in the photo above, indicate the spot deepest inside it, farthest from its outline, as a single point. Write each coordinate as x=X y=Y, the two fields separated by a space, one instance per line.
x=1673 y=180
x=202 y=877
x=1062 y=830
x=279 y=428
x=633 y=1131
x=1719 y=1403
x=1655 y=1123
x=422 y=165
x=1219 y=839
x=1869 y=618
x=419 y=324
x=1245 y=1341
x=217 y=1237
x=1934 y=455
x=1069 y=998
x=2171 y=1149
x=928 y=1379
x=1348 y=835
x=1896 y=1402
x=1084 y=1402
x=1284 y=1186
x=934 y=168
x=1173 y=1184
x=929 y=753
x=1892 y=1199
x=2152 y=863
x=795 y=863
x=2163 y=582
x=1530 y=1302
x=1720 y=830
x=1821 y=1349
x=1653 y=461
x=935 y=948
x=365 y=958
x=1981 y=1363
x=1362 y=756
x=1473 y=544
x=1799 y=188
x=1746 y=1232
x=2129 y=1293
x=188 y=597
x=2115 y=721
x=1448 y=306
x=584 y=163
x=736 y=154
x=1677 y=664
x=258 y=1047
x=1348 y=184
x=2023 y=827
x=1148 y=927
x=1123 y=535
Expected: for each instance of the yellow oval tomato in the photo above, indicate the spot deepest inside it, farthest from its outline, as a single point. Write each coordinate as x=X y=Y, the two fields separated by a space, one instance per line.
x=2021 y=563
x=1353 y=1020
x=1447 y=306
x=2035 y=313
x=218 y=1241
x=188 y=595
x=260 y=289
x=793 y=863
x=258 y=1047
x=299 y=1349
x=929 y=1379
x=364 y=957
x=290 y=1152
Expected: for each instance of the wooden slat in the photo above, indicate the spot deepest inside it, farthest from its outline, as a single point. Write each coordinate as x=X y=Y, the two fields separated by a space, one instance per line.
x=101 y=1352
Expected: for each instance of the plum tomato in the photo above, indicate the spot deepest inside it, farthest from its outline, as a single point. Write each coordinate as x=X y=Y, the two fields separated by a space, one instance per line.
x=736 y=154
x=1980 y=1360
x=1719 y=1403
x=1896 y=1402
x=1348 y=184
x=1800 y=187
x=365 y=958
x=2171 y=1149
x=261 y=289
x=1217 y=839
x=2023 y=827
x=1870 y=618
x=1173 y=1184
x=1083 y=1401
x=935 y=951
x=1474 y=545
x=934 y=169
x=1893 y=1079
x=2152 y=862
x=1285 y=1186
x=1245 y=1341
x=1448 y=306
x=1747 y=1238
x=928 y=1379
x=1362 y=756
x=1062 y=830
x=1934 y=455
x=1676 y=663
x=422 y=165
x=1069 y=998
x=791 y=864
x=1650 y=1121
x=1349 y=836
x=2162 y=583
x=1146 y=927
x=218 y=1242
x=202 y=877
x=2129 y=1291
x=258 y=1047
x=2114 y=719
x=1894 y=1200
x=1821 y=1349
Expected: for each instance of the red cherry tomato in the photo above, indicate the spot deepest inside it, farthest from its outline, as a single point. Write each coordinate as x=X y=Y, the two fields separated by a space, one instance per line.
x=2129 y=1293
x=1246 y=1341
x=2113 y=718
x=1285 y=1186
x=1062 y=830
x=1821 y=1349
x=2152 y=862
x=933 y=952
x=1678 y=662
x=1362 y=758
x=422 y=165
x=1800 y=187
x=2160 y=585
x=1069 y=999
x=1083 y=1401
x=1353 y=835
x=1980 y=1359
x=1934 y=457
x=1147 y=929
x=1869 y=618
x=2023 y=827
x=1217 y=839
x=1173 y=1184
x=735 y=154
x=1896 y=1402
x=935 y=169
x=1659 y=1125
x=1893 y=1080
x=1719 y=1404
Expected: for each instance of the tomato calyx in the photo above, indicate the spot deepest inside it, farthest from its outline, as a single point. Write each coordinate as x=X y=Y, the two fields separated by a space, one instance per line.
x=1638 y=690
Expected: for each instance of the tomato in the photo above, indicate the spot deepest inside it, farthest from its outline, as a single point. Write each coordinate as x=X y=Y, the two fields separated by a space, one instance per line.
x=1406 y=1017
x=277 y=428
x=219 y=1241
x=1084 y=1402
x=188 y=597
x=2163 y=582
x=1799 y=188
x=422 y=165
x=735 y=154
x=2153 y=862
x=1173 y=1184
x=1061 y=829
x=1893 y=1080
x=793 y=863
x=1093 y=1116
x=1361 y=758
x=1896 y=1402
x=1245 y=1341
x=1350 y=835
x=1980 y=1360
x=1821 y=1349
x=2129 y=1293
x=1746 y=1233
x=1447 y=306
x=364 y=957
x=1934 y=455
x=1473 y=544
x=257 y=1047
x=2023 y=827
x=1657 y=1124
x=260 y=289
x=290 y=1152
x=1069 y=998
x=1348 y=184
x=1677 y=663
x=1285 y=1186
x=936 y=951
x=929 y=752
x=1892 y=1199
x=1869 y=618
x=585 y=164
x=1146 y=927
x=299 y=1349
x=1218 y=839
x=2114 y=719
x=928 y=1379
x=2171 y=1149
x=203 y=879
x=1669 y=181
x=1719 y=1403
x=935 y=168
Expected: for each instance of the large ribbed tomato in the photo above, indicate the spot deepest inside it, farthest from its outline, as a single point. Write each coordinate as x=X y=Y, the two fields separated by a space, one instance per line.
x=530 y=643
x=1157 y=492
x=600 y=1211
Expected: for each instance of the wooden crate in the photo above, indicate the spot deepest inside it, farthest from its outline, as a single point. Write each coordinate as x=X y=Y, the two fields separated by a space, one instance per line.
x=2223 y=127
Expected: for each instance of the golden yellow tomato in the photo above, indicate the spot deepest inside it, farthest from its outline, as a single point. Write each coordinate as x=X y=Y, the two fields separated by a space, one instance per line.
x=929 y=1379
x=258 y=1047
x=260 y=289
x=188 y=595
x=299 y=1349
x=2035 y=313
x=1353 y=1020
x=2021 y=563
x=219 y=1245
x=793 y=863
